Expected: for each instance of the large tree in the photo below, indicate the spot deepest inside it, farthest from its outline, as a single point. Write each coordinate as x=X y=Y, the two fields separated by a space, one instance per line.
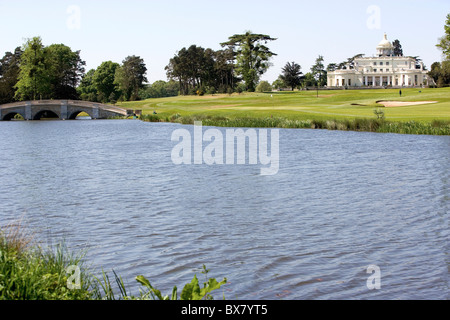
x=292 y=75
x=9 y=75
x=252 y=56
x=103 y=81
x=66 y=70
x=51 y=72
x=34 y=81
x=225 y=79
x=130 y=77
x=193 y=68
x=87 y=90
x=444 y=43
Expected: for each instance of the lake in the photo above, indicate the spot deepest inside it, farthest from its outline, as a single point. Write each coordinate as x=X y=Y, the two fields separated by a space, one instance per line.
x=340 y=203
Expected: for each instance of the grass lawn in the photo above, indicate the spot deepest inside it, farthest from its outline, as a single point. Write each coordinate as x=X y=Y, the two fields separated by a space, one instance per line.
x=305 y=105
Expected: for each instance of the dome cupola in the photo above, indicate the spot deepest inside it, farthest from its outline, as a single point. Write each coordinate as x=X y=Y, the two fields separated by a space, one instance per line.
x=385 y=47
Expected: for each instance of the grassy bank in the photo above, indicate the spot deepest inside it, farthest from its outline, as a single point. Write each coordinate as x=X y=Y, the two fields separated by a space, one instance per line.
x=29 y=272
x=333 y=110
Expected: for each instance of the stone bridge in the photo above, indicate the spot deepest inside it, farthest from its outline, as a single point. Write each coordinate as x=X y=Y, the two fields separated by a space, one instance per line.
x=62 y=109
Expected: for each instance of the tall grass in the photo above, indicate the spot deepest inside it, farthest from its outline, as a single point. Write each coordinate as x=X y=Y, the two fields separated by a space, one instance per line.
x=379 y=124
x=28 y=272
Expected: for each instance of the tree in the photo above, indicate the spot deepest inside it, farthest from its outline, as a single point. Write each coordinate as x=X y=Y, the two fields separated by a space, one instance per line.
x=398 y=51
x=252 y=56
x=444 y=79
x=225 y=79
x=51 y=72
x=263 y=86
x=292 y=75
x=351 y=61
x=319 y=72
x=9 y=75
x=130 y=77
x=202 y=70
x=444 y=43
x=193 y=68
x=65 y=71
x=440 y=73
x=332 y=67
x=87 y=90
x=435 y=71
x=279 y=84
x=159 y=89
x=103 y=81
x=309 y=80
x=33 y=81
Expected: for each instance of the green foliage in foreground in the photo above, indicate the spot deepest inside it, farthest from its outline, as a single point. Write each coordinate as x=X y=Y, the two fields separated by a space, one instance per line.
x=36 y=274
x=191 y=291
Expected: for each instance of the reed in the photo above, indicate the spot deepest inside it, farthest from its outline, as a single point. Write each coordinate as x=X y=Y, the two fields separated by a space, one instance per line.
x=28 y=272
x=379 y=124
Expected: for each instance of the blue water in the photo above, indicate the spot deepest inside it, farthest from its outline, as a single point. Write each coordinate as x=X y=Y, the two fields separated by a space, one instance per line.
x=341 y=201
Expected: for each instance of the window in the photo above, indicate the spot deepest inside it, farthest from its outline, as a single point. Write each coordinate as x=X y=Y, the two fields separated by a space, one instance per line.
x=374 y=70
x=387 y=70
x=387 y=63
x=374 y=63
x=381 y=70
x=381 y=63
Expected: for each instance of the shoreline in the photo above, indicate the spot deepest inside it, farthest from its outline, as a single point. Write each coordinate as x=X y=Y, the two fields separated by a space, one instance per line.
x=355 y=110
x=434 y=128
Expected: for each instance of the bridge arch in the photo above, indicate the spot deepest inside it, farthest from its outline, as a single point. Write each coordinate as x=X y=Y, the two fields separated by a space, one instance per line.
x=11 y=115
x=74 y=114
x=47 y=114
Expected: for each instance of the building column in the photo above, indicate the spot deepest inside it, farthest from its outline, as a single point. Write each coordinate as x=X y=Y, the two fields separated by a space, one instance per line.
x=374 y=82
x=366 y=81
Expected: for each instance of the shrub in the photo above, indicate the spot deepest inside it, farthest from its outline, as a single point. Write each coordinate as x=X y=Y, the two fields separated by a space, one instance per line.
x=264 y=86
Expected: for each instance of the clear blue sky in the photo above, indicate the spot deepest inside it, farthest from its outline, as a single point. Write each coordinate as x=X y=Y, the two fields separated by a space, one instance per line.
x=155 y=30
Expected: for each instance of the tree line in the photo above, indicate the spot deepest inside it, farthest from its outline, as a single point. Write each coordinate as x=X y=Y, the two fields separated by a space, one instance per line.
x=35 y=71
x=238 y=66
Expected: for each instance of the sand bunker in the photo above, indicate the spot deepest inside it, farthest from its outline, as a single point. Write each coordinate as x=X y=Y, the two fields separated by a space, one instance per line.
x=393 y=104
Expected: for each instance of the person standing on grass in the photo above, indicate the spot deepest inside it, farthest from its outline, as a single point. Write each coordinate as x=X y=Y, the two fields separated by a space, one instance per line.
x=400 y=93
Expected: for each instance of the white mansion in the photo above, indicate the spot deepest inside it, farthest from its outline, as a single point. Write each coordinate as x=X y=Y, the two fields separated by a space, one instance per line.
x=383 y=70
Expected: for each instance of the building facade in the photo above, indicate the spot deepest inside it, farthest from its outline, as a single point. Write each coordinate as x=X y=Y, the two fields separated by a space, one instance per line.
x=382 y=70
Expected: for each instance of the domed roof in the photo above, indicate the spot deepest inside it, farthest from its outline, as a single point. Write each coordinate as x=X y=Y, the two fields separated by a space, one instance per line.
x=385 y=43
